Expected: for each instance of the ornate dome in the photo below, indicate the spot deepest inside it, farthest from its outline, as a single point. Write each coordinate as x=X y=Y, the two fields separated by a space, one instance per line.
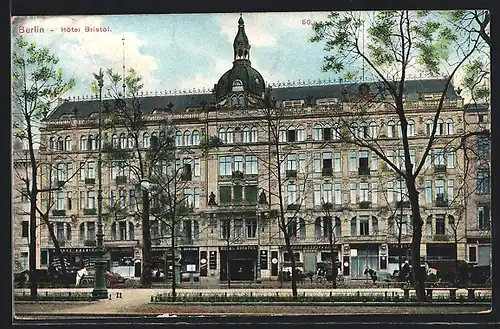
x=242 y=77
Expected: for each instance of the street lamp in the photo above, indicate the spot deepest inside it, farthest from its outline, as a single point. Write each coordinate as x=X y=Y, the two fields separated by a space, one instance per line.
x=100 y=291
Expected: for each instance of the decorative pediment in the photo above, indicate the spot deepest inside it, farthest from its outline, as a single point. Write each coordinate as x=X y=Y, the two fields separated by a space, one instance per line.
x=237 y=149
x=291 y=147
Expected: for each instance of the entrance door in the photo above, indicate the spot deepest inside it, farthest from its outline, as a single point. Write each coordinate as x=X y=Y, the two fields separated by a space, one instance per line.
x=309 y=262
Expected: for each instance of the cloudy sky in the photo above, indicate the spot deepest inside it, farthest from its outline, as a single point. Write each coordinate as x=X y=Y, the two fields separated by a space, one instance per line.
x=180 y=51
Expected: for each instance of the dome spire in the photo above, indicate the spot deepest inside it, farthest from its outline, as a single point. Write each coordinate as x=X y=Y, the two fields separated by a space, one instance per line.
x=241 y=46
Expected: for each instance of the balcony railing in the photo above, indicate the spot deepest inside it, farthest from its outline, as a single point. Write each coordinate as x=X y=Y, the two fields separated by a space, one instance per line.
x=56 y=212
x=90 y=181
x=121 y=180
x=363 y=171
x=291 y=173
x=237 y=174
x=89 y=243
x=327 y=172
x=440 y=169
x=441 y=201
x=90 y=211
x=327 y=206
x=365 y=204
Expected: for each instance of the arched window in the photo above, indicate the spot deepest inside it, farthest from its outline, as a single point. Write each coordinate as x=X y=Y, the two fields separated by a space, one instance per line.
x=363 y=130
x=317 y=228
x=229 y=135
x=196 y=138
x=449 y=127
x=82 y=232
x=131 y=233
x=241 y=100
x=254 y=135
x=337 y=230
x=373 y=130
x=146 y=141
x=353 y=226
x=374 y=225
x=187 y=138
x=222 y=134
x=52 y=143
x=67 y=143
x=300 y=133
x=113 y=231
x=178 y=138
x=391 y=127
x=130 y=141
x=123 y=141
x=114 y=141
x=400 y=133
x=246 y=135
x=291 y=134
x=83 y=143
x=317 y=132
x=60 y=144
x=354 y=129
x=429 y=125
x=411 y=128
x=282 y=134
x=153 y=141
x=91 y=143
x=439 y=127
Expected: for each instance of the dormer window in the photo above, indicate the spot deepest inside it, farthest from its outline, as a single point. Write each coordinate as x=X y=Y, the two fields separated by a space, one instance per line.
x=237 y=85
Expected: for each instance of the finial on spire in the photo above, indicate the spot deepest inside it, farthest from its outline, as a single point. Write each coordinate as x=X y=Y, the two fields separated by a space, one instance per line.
x=240 y=45
x=241 y=21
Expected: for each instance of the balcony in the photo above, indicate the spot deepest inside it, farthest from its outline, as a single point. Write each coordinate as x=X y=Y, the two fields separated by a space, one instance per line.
x=327 y=172
x=89 y=243
x=56 y=212
x=90 y=181
x=440 y=169
x=441 y=237
x=327 y=206
x=365 y=205
x=121 y=180
x=441 y=201
x=237 y=175
x=291 y=173
x=90 y=211
x=364 y=171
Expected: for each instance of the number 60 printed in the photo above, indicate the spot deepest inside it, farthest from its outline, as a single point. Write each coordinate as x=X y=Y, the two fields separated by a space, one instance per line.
x=306 y=21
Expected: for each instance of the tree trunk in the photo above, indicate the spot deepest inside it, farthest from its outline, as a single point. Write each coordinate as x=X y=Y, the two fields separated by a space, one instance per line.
x=174 y=283
x=294 y=266
x=33 y=205
x=146 y=242
x=400 y=257
x=334 y=264
x=228 y=277
x=58 y=251
x=418 y=280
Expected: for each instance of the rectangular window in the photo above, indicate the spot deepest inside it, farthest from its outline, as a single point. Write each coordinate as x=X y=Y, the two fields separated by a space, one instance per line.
x=317 y=162
x=450 y=159
x=374 y=193
x=327 y=160
x=238 y=229
x=439 y=157
x=69 y=200
x=428 y=191
x=337 y=163
x=251 y=194
x=251 y=165
x=122 y=230
x=374 y=163
x=122 y=198
x=238 y=193
x=24 y=260
x=90 y=231
x=82 y=200
x=225 y=194
x=483 y=181
x=291 y=227
x=413 y=159
x=390 y=157
x=90 y=200
x=472 y=254
x=225 y=226
x=25 y=228
x=132 y=200
x=60 y=200
x=302 y=162
x=291 y=162
x=427 y=162
x=363 y=225
x=251 y=228
x=196 y=197
x=363 y=192
x=401 y=159
x=225 y=166
x=317 y=195
x=390 y=191
x=188 y=197
x=439 y=188
x=353 y=193
x=353 y=227
x=327 y=193
x=91 y=167
x=291 y=135
x=292 y=193
x=82 y=171
x=337 y=194
x=238 y=163
x=112 y=198
x=483 y=147
x=440 y=225
x=483 y=217
x=428 y=226
x=352 y=161
x=401 y=190
x=449 y=192
x=197 y=167
x=44 y=257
